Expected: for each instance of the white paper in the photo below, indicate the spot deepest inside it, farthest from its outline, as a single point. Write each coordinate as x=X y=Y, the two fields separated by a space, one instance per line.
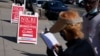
x=49 y=39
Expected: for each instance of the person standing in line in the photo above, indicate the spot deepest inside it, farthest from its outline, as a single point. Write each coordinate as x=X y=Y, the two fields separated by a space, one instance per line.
x=69 y=25
x=29 y=6
x=91 y=24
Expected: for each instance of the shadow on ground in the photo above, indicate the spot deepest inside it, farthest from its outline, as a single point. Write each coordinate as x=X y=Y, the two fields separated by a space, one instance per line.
x=10 y=38
x=6 y=21
x=29 y=54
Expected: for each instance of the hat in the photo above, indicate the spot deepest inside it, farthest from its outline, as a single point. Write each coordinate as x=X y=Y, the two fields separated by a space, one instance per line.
x=65 y=18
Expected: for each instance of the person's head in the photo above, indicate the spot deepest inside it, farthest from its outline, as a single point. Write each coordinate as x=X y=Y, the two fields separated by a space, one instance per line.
x=91 y=6
x=69 y=25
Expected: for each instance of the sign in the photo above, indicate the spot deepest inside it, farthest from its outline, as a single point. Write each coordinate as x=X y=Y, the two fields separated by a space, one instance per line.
x=27 y=29
x=15 y=12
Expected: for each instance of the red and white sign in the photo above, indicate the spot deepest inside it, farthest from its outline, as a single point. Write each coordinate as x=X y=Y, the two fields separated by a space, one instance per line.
x=27 y=29
x=15 y=12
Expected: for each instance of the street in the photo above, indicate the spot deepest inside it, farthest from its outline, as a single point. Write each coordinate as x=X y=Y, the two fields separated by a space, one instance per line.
x=8 y=34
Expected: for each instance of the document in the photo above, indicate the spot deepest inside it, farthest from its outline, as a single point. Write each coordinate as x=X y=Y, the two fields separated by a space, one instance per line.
x=49 y=39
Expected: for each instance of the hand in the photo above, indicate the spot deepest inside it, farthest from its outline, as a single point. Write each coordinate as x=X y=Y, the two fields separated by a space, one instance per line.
x=56 y=48
x=46 y=30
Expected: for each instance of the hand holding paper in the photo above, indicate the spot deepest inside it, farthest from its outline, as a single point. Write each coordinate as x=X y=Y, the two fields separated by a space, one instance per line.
x=49 y=39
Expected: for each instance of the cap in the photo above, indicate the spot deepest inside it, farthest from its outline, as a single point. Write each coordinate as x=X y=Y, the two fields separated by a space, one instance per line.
x=65 y=18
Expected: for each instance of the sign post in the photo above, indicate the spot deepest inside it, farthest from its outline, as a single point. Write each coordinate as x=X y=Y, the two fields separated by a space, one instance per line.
x=27 y=29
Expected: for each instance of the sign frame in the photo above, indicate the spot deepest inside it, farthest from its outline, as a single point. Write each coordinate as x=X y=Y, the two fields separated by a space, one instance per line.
x=24 y=38
x=15 y=15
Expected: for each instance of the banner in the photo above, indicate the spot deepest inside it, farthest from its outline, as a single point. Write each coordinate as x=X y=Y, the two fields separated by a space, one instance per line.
x=15 y=12
x=27 y=29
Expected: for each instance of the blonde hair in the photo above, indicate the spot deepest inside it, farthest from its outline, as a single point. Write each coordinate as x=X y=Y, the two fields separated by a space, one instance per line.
x=71 y=14
x=70 y=29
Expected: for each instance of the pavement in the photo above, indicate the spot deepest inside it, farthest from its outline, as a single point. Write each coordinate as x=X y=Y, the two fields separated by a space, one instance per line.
x=8 y=36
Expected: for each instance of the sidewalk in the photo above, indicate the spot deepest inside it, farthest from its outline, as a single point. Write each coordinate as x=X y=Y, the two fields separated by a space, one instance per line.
x=8 y=38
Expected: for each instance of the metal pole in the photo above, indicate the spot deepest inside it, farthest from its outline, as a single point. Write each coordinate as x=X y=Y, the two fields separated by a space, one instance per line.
x=97 y=3
x=14 y=1
x=25 y=3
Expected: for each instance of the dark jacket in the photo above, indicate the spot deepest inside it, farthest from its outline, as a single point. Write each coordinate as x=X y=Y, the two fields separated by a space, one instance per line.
x=75 y=48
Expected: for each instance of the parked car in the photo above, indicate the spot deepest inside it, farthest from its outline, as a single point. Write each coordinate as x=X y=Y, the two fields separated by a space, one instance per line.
x=40 y=2
x=52 y=9
x=69 y=1
x=80 y=3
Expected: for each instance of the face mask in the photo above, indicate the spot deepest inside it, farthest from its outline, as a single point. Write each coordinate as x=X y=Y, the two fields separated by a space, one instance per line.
x=94 y=10
x=63 y=34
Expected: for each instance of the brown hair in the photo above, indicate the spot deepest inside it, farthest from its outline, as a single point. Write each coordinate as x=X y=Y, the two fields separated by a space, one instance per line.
x=72 y=30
